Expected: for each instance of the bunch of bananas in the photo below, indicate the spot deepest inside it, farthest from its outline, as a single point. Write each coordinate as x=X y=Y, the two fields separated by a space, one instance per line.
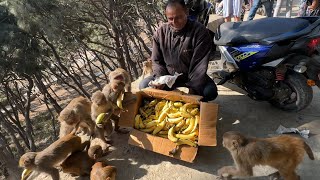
x=176 y=121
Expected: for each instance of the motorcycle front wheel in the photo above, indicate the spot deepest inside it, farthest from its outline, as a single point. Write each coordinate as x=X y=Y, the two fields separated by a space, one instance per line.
x=301 y=93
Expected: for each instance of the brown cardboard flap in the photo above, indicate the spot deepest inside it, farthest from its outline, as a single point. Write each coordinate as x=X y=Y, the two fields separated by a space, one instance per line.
x=129 y=110
x=161 y=145
x=207 y=124
x=171 y=95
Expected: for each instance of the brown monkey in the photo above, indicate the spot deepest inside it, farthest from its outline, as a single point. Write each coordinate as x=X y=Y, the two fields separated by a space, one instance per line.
x=112 y=91
x=147 y=68
x=46 y=160
x=78 y=164
x=78 y=110
x=122 y=75
x=283 y=153
x=98 y=148
x=100 y=104
x=101 y=172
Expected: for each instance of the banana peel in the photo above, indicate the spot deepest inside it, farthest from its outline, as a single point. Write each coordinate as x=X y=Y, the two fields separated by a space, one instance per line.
x=25 y=174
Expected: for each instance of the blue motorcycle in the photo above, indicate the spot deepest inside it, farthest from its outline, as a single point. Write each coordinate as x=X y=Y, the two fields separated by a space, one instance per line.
x=272 y=59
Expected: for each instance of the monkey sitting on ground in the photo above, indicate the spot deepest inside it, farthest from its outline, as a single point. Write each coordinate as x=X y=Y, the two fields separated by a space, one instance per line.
x=147 y=68
x=46 y=160
x=78 y=110
x=78 y=164
x=112 y=91
x=121 y=75
x=101 y=172
x=98 y=148
x=283 y=153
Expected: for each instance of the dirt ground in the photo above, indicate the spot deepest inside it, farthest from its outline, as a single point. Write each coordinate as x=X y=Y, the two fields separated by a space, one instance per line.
x=236 y=112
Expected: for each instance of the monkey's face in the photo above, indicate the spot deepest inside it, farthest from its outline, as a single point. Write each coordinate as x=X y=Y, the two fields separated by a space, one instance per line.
x=116 y=75
x=229 y=144
x=95 y=152
x=117 y=86
x=27 y=160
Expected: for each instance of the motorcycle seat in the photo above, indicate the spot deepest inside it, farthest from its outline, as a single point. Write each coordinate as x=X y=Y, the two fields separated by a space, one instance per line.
x=239 y=33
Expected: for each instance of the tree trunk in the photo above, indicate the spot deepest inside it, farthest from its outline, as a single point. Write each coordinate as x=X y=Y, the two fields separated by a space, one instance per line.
x=26 y=114
x=45 y=92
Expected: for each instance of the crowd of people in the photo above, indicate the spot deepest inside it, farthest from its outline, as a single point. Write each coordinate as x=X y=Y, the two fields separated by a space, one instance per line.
x=237 y=8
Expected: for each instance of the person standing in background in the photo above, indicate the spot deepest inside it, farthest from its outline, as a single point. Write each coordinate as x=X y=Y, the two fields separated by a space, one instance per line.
x=279 y=4
x=268 y=4
x=232 y=8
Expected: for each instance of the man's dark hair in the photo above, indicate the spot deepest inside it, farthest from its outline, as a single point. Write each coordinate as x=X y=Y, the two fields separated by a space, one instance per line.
x=172 y=2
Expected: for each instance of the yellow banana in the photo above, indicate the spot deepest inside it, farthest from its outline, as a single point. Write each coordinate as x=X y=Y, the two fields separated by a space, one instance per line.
x=152 y=117
x=196 y=122
x=148 y=111
x=159 y=127
x=25 y=174
x=194 y=111
x=180 y=125
x=188 y=142
x=153 y=103
x=120 y=99
x=163 y=114
x=100 y=118
x=147 y=121
x=185 y=114
x=148 y=130
x=171 y=135
x=137 y=121
x=190 y=127
x=160 y=105
x=186 y=136
x=150 y=124
x=175 y=120
x=177 y=104
x=141 y=125
x=174 y=115
x=188 y=121
x=142 y=112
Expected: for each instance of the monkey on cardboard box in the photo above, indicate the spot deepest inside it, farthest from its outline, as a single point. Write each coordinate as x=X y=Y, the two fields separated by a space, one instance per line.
x=283 y=153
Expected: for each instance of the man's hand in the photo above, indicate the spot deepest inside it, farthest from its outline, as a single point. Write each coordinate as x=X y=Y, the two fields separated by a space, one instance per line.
x=156 y=85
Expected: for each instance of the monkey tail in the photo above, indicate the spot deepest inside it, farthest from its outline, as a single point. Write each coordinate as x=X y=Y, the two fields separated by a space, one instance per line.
x=308 y=150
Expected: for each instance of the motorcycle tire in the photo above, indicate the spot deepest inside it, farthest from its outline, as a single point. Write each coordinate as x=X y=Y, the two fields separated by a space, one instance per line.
x=304 y=93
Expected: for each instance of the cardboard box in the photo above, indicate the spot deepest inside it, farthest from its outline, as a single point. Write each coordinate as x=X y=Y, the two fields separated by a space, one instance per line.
x=207 y=124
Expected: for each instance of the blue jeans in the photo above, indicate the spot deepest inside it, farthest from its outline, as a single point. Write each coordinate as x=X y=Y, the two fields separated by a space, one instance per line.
x=255 y=6
x=210 y=91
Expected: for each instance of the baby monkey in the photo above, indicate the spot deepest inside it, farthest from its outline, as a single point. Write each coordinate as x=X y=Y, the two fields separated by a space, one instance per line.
x=102 y=172
x=283 y=153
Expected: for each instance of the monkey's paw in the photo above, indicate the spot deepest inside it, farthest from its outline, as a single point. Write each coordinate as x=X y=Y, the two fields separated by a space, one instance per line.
x=224 y=172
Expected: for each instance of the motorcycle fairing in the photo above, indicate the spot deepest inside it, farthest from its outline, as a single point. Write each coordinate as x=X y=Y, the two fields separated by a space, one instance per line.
x=248 y=57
